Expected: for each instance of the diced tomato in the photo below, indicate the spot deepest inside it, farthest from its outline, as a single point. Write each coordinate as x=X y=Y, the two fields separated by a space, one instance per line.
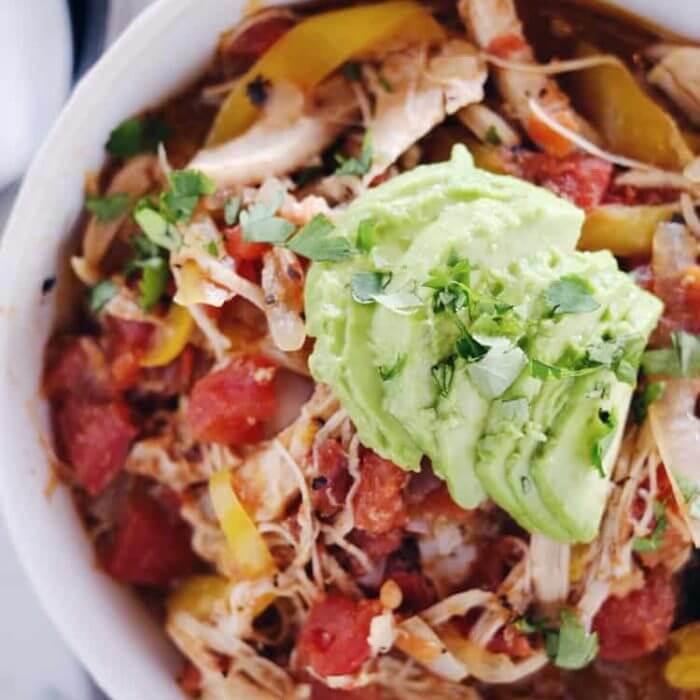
x=230 y=405
x=580 y=178
x=511 y=642
x=376 y=547
x=151 y=544
x=330 y=488
x=127 y=342
x=378 y=504
x=507 y=45
x=190 y=679
x=418 y=591
x=439 y=504
x=636 y=196
x=258 y=38
x=78 y=366
x=95 y=439
x=639 y=623
x=333 y=640
x=320 y=691
x=240 y=249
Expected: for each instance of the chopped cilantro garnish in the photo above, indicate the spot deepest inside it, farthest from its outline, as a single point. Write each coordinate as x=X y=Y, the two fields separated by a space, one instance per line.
x=258 y=90
x=571 y=647
x=387 y=372
x=261 y=225
x=492 y=136
x=525 y=625
x=653 y=542
x=154 y=279
x=443 y=375
x=469 y=348
x=451 y=287
x=570 y=295
x=157 y=228
x=365 y=286
x=232 y=209
x=151 y=261
x=366 y=234
x=352 y=71
x=356 y=166
x=315 y=242
x=109 y=207
x=186 y=187
x=100 y=294
x=605 y=430
x=496 y=371
x=212 y=248
x=137 y=135
x=644 y=398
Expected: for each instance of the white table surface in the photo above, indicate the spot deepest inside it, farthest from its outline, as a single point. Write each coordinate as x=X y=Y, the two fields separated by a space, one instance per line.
x=34 y=662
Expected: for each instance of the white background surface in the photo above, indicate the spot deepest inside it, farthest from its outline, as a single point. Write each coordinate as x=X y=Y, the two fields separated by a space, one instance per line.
x=34 y=662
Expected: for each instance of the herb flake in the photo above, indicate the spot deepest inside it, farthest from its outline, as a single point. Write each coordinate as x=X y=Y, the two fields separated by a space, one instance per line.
x=109 y=207
x=387 y=372
x=315 y=242
x=570 y=294
x=100 y=294
x=232 y=208
x=357 y=166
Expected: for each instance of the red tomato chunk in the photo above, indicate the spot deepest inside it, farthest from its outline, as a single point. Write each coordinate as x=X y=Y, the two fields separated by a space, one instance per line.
x=240 y=249
x=151 y=544
x=333 y=641
x=639 y=623
x=230 y=405
x=95 y=439
x=579 y=178
x=378 y=504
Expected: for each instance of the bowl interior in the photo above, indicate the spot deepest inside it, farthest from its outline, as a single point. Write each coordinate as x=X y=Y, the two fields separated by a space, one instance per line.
x=165 y=47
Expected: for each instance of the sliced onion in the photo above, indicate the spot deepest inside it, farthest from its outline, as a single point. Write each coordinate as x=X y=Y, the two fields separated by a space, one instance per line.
x=677 y=433
x=417 y=640
x=549 y=561
x=489 y=667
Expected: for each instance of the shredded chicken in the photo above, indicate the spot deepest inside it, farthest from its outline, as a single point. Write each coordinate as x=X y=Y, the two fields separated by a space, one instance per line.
x=678 y=75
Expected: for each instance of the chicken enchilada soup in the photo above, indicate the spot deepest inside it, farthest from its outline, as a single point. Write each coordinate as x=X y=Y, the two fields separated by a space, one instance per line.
x=382 y=374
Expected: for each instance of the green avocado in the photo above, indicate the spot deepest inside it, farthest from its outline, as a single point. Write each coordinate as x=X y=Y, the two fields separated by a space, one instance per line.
x=464 y=288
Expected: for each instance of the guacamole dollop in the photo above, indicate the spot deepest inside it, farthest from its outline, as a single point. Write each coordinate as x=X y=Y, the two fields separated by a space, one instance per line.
x=467 y=330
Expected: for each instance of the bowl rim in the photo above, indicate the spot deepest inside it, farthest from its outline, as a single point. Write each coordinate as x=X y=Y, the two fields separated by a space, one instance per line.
x=133 y=42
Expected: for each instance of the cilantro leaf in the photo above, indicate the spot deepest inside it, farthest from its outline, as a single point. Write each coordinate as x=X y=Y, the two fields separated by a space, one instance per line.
x=100 y=294
x=443 y=374
x=387 y=372
x=386 y=85
x=137 y=135
x=496 y=371
x=643 y=399
x=605 y=434
x=356 y=166
x=365 y=286
x=366 y=231
x=315 y=243
x=570 y=294
x=571 y=647
x=260 y=224
x=232 y=209
x=186 y=187
x=154 y=280
x=307 y=175
x=653 y=542
x=157 y=228
x=470 y=349
x=109 y=207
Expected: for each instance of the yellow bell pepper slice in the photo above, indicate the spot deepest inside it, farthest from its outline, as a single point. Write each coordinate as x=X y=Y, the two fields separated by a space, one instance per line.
x=250 y=556
x=632 y=124
x=625 y=231
x=199 y=595
x=683 y=668
x=171 y=338
x=314 y=48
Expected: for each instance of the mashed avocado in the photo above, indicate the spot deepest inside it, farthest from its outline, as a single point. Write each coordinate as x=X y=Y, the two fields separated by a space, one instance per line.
x=467 y=329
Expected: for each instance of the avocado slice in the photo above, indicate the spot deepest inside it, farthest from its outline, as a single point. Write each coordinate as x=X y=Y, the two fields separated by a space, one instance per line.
x=565 y=465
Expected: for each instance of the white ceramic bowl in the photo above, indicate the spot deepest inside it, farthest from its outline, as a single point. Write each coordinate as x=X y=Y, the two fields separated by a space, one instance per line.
x=163 y=49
